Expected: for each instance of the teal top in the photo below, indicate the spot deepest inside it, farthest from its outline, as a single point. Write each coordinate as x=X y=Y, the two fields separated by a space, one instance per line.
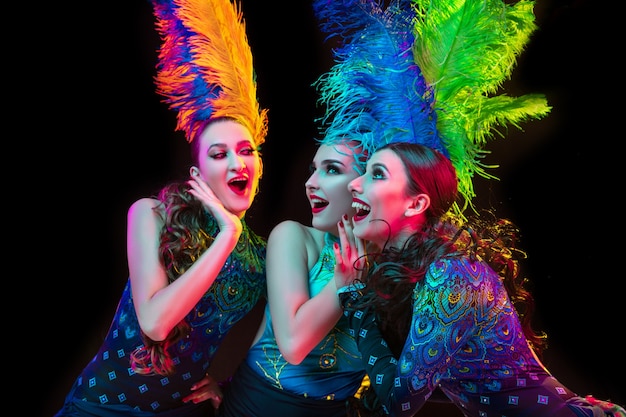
x=332 y=370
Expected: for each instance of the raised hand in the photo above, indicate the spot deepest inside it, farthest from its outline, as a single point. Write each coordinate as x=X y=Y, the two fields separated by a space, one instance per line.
x=350 y=259
x=225 y=219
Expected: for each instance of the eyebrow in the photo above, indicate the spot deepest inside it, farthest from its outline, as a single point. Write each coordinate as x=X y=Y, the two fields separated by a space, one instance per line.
x=243 y=142
x=331 y=161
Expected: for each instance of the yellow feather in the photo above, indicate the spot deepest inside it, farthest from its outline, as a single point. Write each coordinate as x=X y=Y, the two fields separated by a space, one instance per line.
x=211 y=45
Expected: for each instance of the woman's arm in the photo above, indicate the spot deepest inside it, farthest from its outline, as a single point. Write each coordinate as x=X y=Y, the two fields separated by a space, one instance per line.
x=161 y=306
x=404 y=385
x=300 y=321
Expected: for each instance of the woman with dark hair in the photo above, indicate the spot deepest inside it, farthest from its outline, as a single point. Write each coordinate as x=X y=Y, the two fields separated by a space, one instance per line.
x=302 y=361
x=442 y=304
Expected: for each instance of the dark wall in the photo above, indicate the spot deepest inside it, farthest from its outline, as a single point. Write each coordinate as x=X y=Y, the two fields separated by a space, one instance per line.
x=107 y=140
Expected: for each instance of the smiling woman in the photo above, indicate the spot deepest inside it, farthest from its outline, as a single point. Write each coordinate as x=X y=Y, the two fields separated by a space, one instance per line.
x=442 y=305
x=195 y=267
x=127 y=136
x=302 y=361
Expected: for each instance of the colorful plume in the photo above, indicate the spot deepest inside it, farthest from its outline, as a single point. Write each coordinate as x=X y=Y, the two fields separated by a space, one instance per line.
x=375 y=93
x=425 y=71
x=466 y=49
x=205 y=68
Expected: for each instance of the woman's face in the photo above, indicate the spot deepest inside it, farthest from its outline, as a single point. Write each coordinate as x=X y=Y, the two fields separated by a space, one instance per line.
x=380 y=194
x=230 y=164
x=327 y=187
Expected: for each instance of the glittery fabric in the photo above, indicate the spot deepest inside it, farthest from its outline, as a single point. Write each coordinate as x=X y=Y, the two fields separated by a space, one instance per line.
x=331 y=371
x=108 y=379
x=466 y=338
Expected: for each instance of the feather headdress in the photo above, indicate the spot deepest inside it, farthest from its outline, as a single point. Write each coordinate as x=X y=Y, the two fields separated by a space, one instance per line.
x=205 y=68
x=375 y=93
x=460 y=54
x=466 y=50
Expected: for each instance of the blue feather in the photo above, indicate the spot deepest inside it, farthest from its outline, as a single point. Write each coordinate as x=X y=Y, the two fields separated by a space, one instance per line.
x=375 y=93
x=423 y=71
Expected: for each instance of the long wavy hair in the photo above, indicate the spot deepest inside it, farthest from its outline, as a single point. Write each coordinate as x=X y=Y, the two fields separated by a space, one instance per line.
x=182 y=240
x=390 y=281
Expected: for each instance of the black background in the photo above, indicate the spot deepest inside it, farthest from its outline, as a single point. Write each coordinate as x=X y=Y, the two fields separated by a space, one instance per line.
x=99 y=137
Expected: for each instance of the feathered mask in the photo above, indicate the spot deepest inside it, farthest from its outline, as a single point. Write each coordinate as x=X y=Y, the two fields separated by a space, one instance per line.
x=426 y=71
x=205 y=66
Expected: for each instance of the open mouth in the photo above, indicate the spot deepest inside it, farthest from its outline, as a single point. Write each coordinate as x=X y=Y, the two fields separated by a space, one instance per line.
x=361 y=210
x=317 y=204
x=238 y=185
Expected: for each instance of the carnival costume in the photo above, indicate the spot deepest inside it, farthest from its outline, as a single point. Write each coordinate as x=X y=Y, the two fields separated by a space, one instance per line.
x=318 y=386
x=493 y=374
x=406 y=73
x=442 y=62
x=204 y=73
x=109 y=386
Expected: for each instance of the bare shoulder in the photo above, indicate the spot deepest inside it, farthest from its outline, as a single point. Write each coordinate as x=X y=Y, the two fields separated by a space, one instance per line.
x=143 y=205
x=143 y=210
x=293 y=240
x=292 y=231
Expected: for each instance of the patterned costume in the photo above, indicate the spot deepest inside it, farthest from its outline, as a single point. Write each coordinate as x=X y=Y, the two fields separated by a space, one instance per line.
x=205 y=74
x=466 y=338
x=428 y=72
x=267 y=385
x=108 y=386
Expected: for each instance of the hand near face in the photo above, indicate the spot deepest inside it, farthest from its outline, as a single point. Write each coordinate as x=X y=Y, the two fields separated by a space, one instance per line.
x=350 y=259
x=225 y=219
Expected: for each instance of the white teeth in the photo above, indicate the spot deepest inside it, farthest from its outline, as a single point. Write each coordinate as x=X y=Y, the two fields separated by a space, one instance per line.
x=360 y=207
x=317 y=201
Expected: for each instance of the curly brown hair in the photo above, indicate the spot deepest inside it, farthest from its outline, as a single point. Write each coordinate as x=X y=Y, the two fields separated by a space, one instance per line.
x=183 y=239
x=389 y=283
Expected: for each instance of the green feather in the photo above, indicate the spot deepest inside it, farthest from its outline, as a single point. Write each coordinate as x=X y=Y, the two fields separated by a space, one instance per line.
x=466 y=49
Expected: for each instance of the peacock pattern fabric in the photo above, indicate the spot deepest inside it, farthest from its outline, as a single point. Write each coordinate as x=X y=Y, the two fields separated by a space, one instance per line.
x=465 y=338
x=108 y=381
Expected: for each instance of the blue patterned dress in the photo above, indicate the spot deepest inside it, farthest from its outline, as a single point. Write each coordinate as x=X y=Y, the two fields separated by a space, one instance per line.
x=107 y=386
x=267 y=385
x=466 y=338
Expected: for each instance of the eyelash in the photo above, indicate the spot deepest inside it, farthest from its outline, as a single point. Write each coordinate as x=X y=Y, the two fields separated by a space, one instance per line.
x=330 y=169
x=243 y=151
x=333 y=169
x=378 y=174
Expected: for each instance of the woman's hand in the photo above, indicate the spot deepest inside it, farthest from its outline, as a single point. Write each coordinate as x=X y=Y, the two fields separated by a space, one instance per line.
x=205 y=389
x=609 y=408
x=350 y=255
x=225 y=219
